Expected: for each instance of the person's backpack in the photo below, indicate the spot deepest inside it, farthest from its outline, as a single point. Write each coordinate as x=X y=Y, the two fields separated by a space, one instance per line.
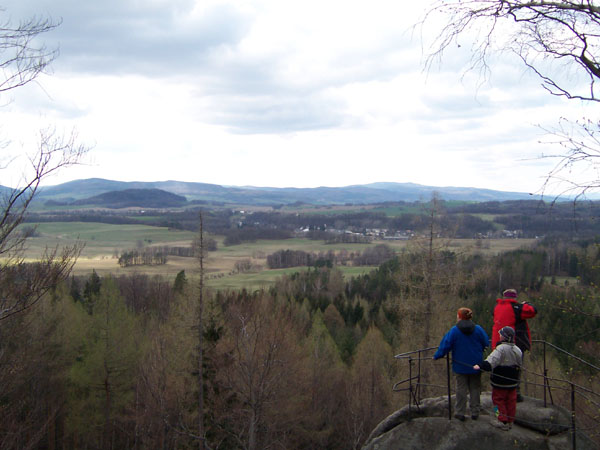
x=521 y=334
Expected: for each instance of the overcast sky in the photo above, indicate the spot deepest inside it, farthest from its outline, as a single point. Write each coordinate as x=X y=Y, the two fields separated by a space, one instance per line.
x=276 y=93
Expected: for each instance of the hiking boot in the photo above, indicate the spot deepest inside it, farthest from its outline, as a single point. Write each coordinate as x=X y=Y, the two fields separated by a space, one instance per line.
x=500 y=425
x=459 y=417
x=519 y=398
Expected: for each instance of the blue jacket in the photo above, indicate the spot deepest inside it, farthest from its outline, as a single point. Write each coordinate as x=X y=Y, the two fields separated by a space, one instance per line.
x=466 y=341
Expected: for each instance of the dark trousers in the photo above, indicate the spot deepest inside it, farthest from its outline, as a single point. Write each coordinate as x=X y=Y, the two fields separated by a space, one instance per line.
x=506 y=402
x=468 y=384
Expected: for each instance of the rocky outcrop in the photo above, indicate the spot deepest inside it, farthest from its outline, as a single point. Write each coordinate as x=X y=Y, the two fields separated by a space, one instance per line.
x=536 y=427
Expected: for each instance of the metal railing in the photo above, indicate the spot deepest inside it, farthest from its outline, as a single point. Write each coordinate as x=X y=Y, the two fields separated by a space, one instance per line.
x=416 y=370
x=415 y=390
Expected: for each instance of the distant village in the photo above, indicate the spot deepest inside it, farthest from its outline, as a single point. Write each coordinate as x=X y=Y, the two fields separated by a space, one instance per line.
x=405 y=235
x=383 y=234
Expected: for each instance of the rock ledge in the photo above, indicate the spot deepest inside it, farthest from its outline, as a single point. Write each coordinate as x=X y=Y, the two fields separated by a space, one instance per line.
x=428 y=426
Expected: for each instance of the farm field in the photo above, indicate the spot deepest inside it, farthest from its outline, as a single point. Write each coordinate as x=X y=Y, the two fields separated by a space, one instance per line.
x=104 y=242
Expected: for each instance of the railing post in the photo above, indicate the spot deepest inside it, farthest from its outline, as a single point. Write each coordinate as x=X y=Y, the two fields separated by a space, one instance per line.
x=449 y=389
x=410 y=387
x=419 y=378
x=545 y=376
x=573 y=429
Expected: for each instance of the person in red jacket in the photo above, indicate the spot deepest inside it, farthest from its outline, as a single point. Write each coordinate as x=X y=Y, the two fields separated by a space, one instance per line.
x=510 y=313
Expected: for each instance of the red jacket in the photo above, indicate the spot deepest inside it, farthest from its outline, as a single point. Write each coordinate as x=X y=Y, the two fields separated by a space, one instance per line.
x=508 y=312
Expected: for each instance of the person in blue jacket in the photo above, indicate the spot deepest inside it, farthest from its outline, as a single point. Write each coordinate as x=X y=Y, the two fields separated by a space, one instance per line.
x=466 y=341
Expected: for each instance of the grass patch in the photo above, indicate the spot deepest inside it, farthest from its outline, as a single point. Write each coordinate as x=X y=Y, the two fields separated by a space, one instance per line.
x=562 y=281
x=102 y=239
x=266 y=278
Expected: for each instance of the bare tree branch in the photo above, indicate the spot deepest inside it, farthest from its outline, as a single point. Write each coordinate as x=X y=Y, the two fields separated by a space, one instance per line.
x=547 y=35
x=21 y=58
x=54 y=153
x=559 y=41
x=22 y=285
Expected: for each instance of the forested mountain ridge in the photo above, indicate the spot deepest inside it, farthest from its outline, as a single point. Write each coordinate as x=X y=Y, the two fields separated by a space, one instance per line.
x=145 y=198
x=358 y=194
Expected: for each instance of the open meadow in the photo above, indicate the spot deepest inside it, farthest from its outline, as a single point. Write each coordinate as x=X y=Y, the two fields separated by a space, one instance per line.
x=104 y=243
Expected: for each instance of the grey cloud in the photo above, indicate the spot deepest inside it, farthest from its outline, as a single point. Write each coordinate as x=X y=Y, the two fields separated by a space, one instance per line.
x=248 y=94
x=252 y=97
x=475 y=106
x=149 y=45
x=119 y=37
x=276 y=114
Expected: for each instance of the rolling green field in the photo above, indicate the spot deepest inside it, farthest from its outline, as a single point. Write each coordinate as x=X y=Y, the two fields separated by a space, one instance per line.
x=102 y=239
x=104 y=242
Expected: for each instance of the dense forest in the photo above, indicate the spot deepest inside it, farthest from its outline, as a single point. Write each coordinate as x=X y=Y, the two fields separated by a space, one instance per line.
x=111 y=362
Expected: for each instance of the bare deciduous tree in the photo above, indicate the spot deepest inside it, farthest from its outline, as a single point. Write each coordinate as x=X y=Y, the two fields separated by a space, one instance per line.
x=22 y=59
x=559 y=41
x=262 y=376
x=541 y=33
x=22 y=285
x=579 y=145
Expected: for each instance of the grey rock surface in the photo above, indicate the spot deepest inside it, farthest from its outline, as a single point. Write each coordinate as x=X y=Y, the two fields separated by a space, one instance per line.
x=429 y=427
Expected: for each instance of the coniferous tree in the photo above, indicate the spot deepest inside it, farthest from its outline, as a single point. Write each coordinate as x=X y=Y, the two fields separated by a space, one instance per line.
x=104 y=375
x=371 y=378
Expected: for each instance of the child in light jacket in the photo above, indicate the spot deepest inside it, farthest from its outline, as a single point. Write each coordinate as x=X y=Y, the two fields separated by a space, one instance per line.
x=504 y=363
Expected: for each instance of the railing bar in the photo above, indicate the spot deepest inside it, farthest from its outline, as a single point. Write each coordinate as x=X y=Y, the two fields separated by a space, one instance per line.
x=558 y=380
x=434 y=385
x=402 y=355
x=569 y=354
x=428 y=385
x=405 y=380
x=399 y=390
x=589 y=399
x=396 y=389
x=564 y=388
x=419 y=359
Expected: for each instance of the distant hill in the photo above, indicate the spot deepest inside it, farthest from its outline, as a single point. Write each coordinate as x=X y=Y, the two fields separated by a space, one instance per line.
x=143 y=198
x=4 y=191
x=95 y=186
x=451 y=192
x=74 y=191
